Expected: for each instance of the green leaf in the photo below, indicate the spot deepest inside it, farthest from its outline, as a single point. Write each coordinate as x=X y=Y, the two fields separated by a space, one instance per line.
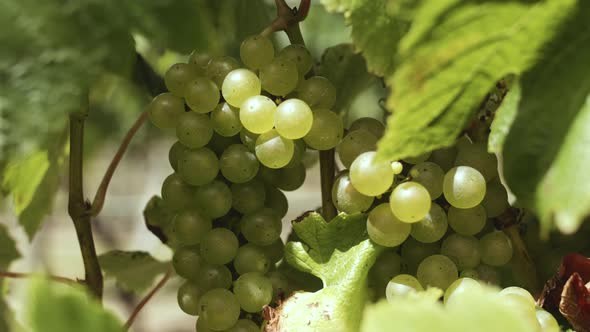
x=546 y=150
x=453 y=54
x=504 y=118
x=340 y=254
x=66 y=308
x=8 y=250
x=479 y=310
x=134 y=270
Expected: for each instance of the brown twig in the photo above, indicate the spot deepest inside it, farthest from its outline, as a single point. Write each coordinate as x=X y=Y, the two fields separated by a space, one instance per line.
x=19 y=275
x=147 y=298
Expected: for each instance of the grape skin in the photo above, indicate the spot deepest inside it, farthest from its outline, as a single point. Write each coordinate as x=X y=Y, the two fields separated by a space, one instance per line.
x=274 y=151
x=164 y=110
x=410 y=202
x=347 y=199
x=326 y=130
x=257 y=114
x=369 y=176
x=385 y=229
x=239 y=85
x=433 y=227
x=293 y=119
x=219 y=309
x=201 y=95
x=318 y=92
x=177 y=77
x=256 y=51
x=437 y=271
x=464 y=187
x=253 y=291
x=190 y=227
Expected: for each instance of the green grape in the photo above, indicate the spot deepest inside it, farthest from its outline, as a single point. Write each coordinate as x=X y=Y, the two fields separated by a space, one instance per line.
x=219 y=143
x=433 y=227
x=372 y=125
x=370 y=176
x=176 y=194
x=200 y=60
x=158 y=214
x=410 y=202
x=219 y=67
x=293 y=118
x=274 y=151
x=437 y=271
x=165 y=109
x=219 y=247
x=279 y=77
x=429 y=175
x=251 y=258
x=174 y=154
x=239 y=85
x=469 y=273
x=256 y=51
x=225 y=120
x=198 y=166
x=248 y=197
x=444 y=158
x=458 y=288
x=464 y=187
x=385 y=229
x=387 y=266
x=318 y=92
x=414 y=252
x=219 y=308
x=280 y=284
x=194 y=130
x=238 y=164
x=298 y=153
x=347 y=199
x=298 y=54
x=467 y=221
x=292 y=178
x=417 y=159
x=244 y=325
x=253 y=291
x=191 y=227
x=401 y=285
x=326 y=130
x=355 y=143
x=476 y=156
x=214 y=199
x=520 y=296
x=496 y=248
x=213 y=276
x=274 y=251
x=269 y=175
x=276 y=200
x=202 y=326
x=547 y=321
x=201 y=95
x=187 y=262
x=488 y=274
x=463 y=250
x=188 y=297
x=495 y=201
x=248 y=138
x=262 y=227
x=178 y=76
x=397 y=167
x=257 y=114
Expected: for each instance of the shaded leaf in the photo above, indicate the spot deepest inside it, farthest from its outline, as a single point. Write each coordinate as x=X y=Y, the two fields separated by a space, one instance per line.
x=134 y=270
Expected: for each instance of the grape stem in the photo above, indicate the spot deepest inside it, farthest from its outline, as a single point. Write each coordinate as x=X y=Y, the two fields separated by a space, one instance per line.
x=147 y=298
x=18 y=275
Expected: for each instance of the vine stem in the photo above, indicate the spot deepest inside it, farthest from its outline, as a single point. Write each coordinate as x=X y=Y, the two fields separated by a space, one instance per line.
x=147 y=298
x=18 y=275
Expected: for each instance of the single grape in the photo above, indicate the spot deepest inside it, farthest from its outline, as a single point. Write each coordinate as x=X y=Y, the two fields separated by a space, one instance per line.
x=293 y=119
x=464 y=187
x=459 y=287
x=519 y=295
x=257 y=114
x=476 y=156
x=437 y=271
x=165 y=110
x=387 y=266
x=198 y=166
x=187 y=262
x=444 y=158
x=269 y=176
x=178 y=76
x=430 y=175
x=200 y=60
x=496 y=248
x=238 y=164
x=176 y=194
x=495 y=201
x=276 y=200
x=280 y=284
x=244 y=325
x=239 y=85
x=467 y=221
x=355 y=143
x=291 y=178
x=219 y=67
x=298 y=153
x=385 y=229
x=256 y=51
x=433 y=227
x=214 y=199
x=201 y=95
x=219 y=308
x=410 y=202
x=219 y=144
x=225 y=120
x=194 y=130
x=262 y=227
x=174 y=154
x=219 y=247
x=401 y=285
x=191 y=227
x=347 y=199
x=318 y=92
x=248 y=138
x=326 y=130
x=463 y=250
x=279 y=77
x=547 y=321
x=253 y=291
x=488 y=274
x=188 y=297
x=251 y=258
x=213 y=276
x=298 y=54
x=397 y=167
x=372 y=125
x=370 y=176
x=274 y=251
x=414 y=252
x=274 y=151
x=248 y=197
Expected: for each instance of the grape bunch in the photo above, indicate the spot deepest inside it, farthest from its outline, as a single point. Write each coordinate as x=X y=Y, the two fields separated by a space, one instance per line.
x=243 y=132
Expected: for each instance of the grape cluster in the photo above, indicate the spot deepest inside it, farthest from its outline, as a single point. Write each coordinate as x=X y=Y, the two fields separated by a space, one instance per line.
x=242 y=135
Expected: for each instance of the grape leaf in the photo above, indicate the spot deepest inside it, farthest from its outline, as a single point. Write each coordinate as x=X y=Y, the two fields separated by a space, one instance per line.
x=504 y=118
x=8 y=250
x=66 y=308
x=134 y=270
x=479 y=310
x=340 y=254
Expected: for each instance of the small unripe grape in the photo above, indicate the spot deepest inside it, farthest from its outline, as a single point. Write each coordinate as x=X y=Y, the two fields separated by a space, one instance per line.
x=198 y=167
x=219 y=309
x=298 y=54
x=464 y=187
x=467 y=221
x=248 y=197
x=256 y=51
x=188 y=297
x=317 y=92
x=258 y=114
x=437 y=271
x=279 y=77
x=225 y=120
x=326 y=130
x=293 y=119
x=253 y=291
x=496 y=248
x=219 y=246
x=238 y=164
x=200 y=60
x=201 y=95
x=194 y=130
x=213 y=276
x=178 y=76
x=187 y=262
x=165 y=110
x=251 y=258
x=176 y=194
x=214 y=199
x=463 y=250
x=239 y=85
x=262 y=227
x=191 y=227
